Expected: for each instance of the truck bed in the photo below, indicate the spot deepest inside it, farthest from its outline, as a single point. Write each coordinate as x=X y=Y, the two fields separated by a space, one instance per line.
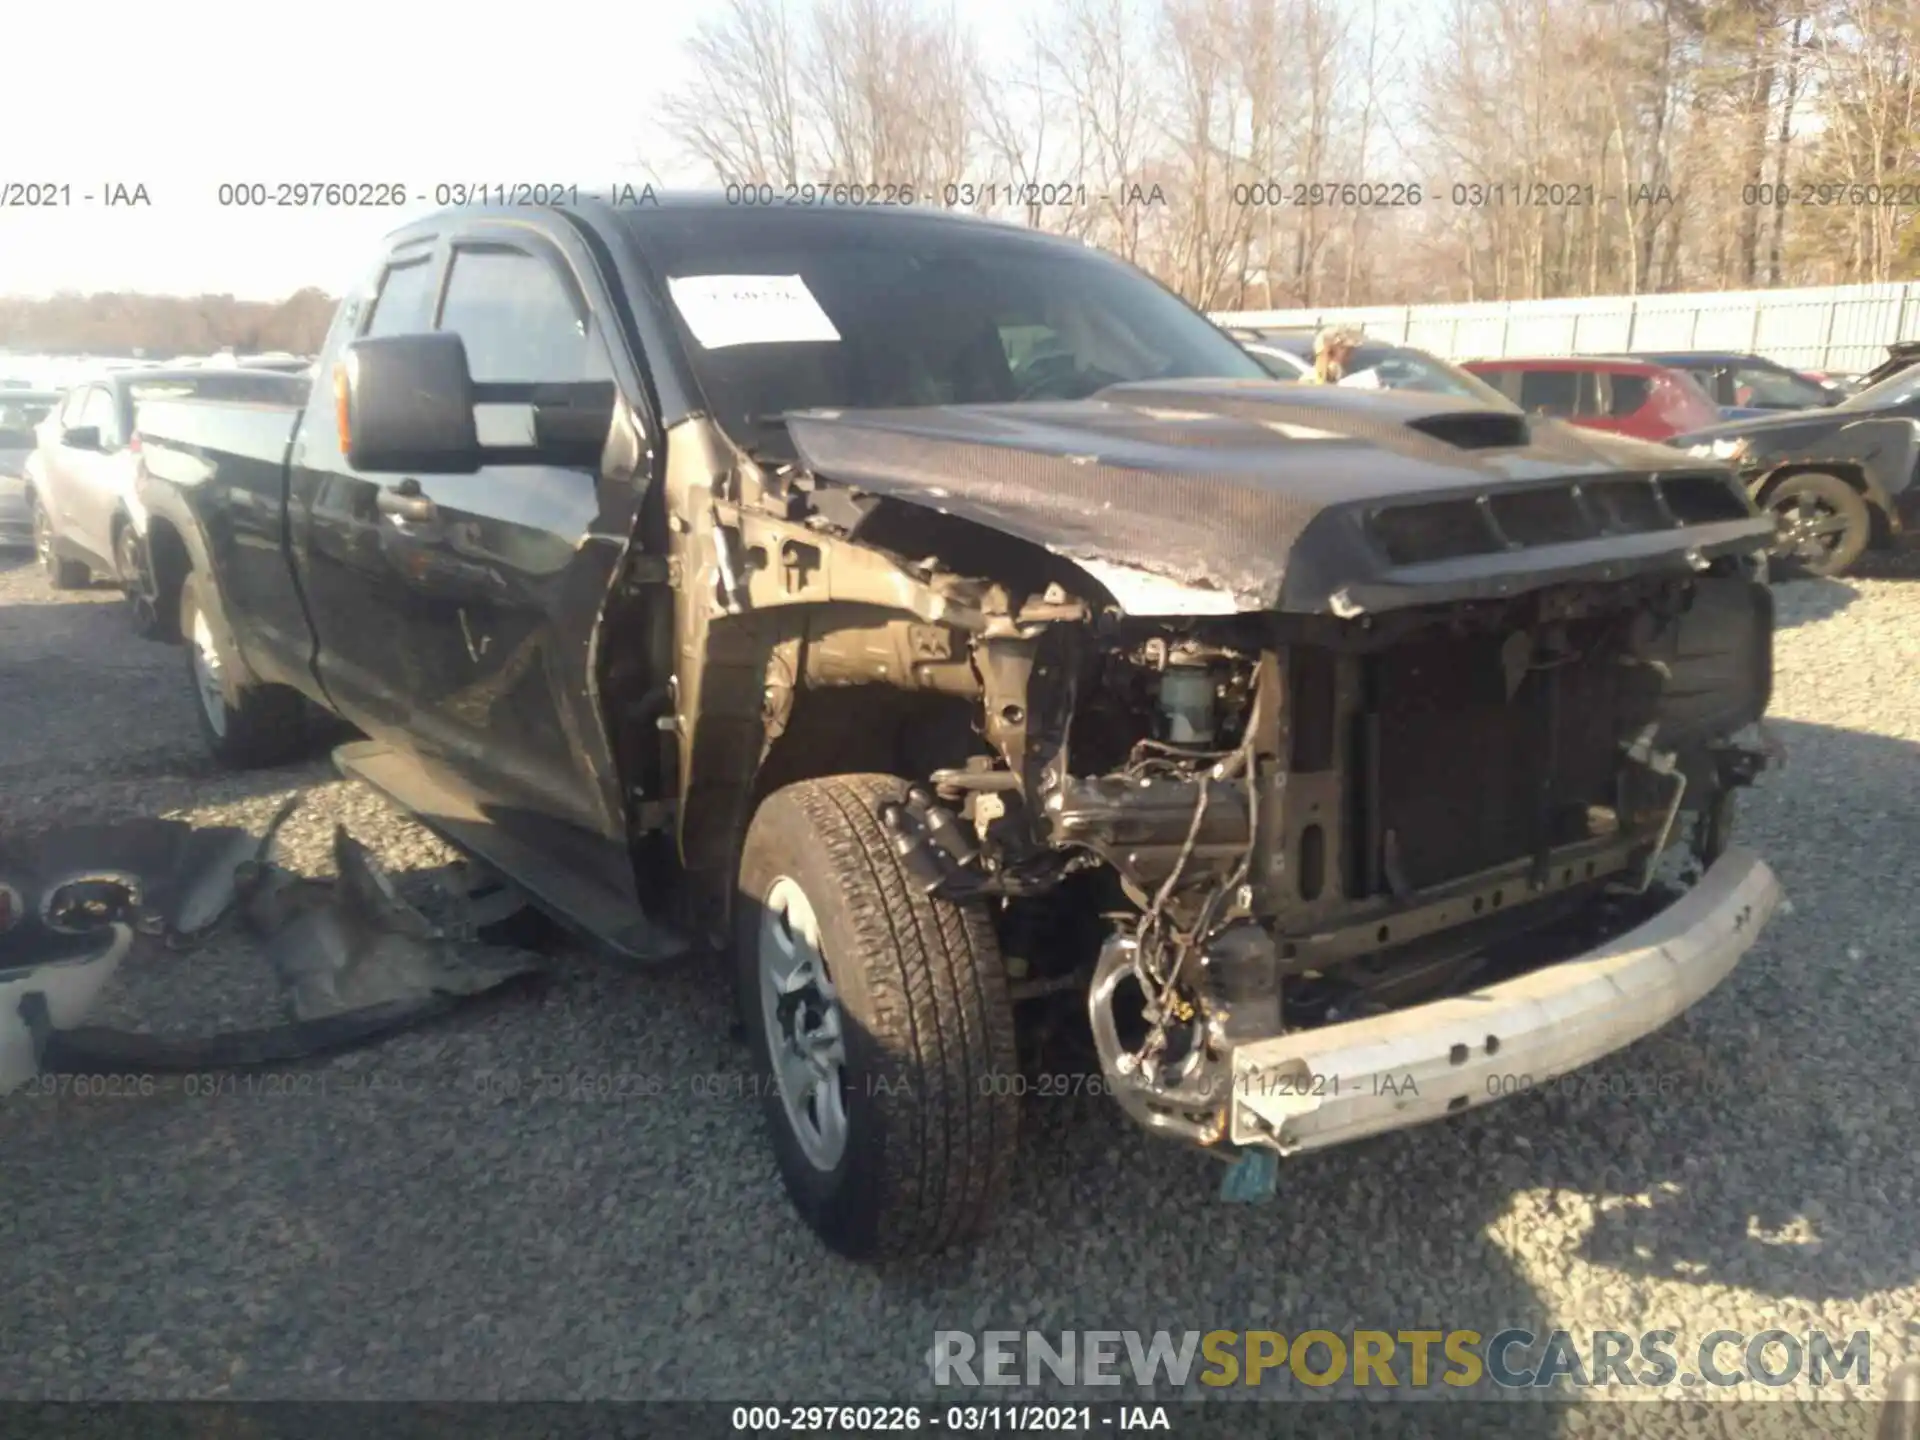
x=214 y=481
x=252 y=420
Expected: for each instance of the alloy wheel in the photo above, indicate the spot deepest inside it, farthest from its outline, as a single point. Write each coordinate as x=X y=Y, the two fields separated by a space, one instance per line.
x=1810 y=529
x=803 y=1024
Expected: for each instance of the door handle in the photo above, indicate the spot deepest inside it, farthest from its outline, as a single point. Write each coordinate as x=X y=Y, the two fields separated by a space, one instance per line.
x=405 y=502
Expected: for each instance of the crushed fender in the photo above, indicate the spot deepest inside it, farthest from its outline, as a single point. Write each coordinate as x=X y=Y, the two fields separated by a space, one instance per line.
x=355 y=961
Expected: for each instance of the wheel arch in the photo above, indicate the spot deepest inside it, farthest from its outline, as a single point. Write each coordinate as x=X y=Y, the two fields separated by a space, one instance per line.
x=782 y=698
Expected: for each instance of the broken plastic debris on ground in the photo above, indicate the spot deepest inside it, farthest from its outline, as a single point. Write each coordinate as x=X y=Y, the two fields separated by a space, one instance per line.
x=353 y=959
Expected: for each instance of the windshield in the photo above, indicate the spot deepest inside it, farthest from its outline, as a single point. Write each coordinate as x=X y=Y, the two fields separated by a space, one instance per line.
x=1399 y=369
x=823 y=310
x=1896 y=389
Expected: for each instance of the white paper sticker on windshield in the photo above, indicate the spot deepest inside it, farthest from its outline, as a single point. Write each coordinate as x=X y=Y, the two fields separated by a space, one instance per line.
x=724 y=310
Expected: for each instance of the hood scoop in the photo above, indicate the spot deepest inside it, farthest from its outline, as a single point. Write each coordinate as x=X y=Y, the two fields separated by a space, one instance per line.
x=1475 y=429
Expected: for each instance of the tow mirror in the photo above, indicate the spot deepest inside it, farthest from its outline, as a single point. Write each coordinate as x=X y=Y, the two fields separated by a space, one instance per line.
x=408 y=403
x=405 y=403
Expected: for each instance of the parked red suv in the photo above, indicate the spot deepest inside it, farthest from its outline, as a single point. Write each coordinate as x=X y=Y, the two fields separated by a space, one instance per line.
x=1626 y=397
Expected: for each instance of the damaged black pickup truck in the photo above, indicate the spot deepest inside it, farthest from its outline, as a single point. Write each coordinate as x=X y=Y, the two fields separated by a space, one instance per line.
x=952 y=626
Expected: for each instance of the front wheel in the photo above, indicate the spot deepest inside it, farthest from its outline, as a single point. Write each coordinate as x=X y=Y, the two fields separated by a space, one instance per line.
x=61 y=574
x=136 y=583
x=881 y=1023
x=245 y=724
x=1824 y=524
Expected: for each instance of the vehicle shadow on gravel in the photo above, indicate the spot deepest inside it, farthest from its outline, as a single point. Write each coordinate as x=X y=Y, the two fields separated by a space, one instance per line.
x=1759 y=1144
x=1805 y=601
x=1893 y=563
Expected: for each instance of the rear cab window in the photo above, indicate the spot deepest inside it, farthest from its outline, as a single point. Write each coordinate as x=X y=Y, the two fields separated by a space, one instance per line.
x=404 y=303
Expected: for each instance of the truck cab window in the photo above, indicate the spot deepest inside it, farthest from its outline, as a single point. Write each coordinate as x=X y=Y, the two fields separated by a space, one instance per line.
x=518 y=320
x=404 y=305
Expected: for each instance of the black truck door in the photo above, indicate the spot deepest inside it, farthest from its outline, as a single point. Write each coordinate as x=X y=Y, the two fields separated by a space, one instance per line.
x=505 y=571
x=340 y=538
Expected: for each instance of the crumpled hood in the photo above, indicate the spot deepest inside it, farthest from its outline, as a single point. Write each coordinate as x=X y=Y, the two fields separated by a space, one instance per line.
x=1223 y=486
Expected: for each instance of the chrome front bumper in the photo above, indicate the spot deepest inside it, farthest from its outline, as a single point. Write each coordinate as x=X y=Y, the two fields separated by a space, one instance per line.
x=1342 y=1082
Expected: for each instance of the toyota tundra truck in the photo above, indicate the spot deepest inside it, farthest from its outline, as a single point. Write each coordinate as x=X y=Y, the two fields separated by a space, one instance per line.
x=942 y=626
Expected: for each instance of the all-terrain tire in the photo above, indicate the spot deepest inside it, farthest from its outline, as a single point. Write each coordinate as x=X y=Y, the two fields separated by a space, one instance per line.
x=61 y=574
x=1837 y=503
x=247 y=725
x=932 y=1115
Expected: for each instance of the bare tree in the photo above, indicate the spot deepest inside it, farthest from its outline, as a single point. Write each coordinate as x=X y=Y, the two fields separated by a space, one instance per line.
x=738 y=111
x=1564 y=146
x=1099 y=54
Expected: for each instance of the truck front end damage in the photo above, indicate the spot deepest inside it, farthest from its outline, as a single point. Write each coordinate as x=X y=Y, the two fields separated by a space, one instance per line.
x=1323 y=829
x=1343 y=802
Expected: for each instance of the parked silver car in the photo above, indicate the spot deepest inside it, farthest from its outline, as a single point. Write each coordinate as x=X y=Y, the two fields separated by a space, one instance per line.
x=21 y=412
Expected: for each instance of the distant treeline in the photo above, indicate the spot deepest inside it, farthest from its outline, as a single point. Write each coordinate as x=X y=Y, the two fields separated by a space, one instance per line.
x=123 y=323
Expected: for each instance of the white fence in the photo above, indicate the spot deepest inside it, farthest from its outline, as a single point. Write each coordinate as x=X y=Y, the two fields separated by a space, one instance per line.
x=1841 y=327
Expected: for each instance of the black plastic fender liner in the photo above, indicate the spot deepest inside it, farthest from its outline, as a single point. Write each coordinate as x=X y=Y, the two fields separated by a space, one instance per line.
x=356 y=962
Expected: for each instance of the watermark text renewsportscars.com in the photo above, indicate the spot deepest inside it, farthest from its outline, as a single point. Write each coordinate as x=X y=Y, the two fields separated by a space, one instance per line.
x=1511 y=1359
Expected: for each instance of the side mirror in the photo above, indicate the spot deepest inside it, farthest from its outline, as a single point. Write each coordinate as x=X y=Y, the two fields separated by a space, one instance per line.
x=408 y=404
x=405 y=403
x=81 y=437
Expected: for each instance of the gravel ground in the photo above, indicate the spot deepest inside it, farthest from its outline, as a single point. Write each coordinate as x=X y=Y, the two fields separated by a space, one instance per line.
x=389 y=1227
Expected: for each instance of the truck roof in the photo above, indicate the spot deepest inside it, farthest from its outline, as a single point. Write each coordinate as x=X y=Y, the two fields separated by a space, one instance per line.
x=677 y=207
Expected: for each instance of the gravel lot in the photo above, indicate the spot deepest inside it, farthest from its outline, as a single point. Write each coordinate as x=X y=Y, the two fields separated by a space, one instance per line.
x=391 y=1229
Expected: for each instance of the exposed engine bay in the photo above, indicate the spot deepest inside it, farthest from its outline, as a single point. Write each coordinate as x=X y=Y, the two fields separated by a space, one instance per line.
x=1273 y=816
x=1307 y=821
